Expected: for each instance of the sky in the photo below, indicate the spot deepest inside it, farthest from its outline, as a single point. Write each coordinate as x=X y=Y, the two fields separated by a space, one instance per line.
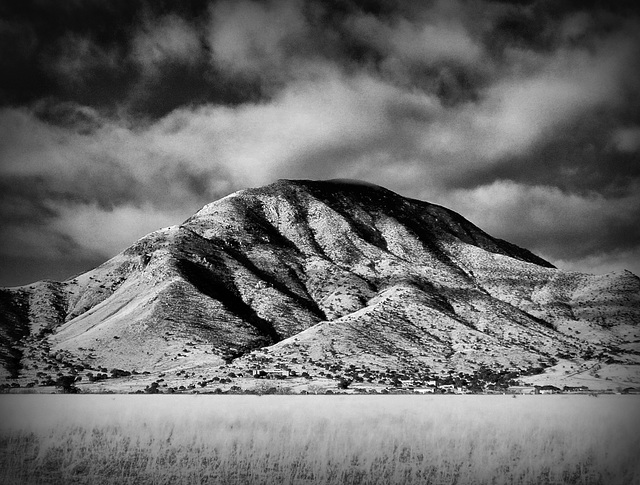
x=121 y=117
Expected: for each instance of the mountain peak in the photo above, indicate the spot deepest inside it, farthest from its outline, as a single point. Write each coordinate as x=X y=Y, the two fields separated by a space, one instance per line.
x=343 y=184
x=346 y=187
x=352 y=202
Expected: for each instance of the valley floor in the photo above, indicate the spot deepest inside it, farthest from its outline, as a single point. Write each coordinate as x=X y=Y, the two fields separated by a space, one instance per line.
x=319 y=439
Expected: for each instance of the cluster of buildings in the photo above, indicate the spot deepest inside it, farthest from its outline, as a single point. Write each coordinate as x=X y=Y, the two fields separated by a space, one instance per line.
x=433 y=387
x=565 y=390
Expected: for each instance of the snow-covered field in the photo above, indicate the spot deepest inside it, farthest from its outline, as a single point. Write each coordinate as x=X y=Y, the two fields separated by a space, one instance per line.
x=319 y=439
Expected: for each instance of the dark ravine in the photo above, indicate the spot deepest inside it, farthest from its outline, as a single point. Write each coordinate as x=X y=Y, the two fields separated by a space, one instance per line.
x=309 y=275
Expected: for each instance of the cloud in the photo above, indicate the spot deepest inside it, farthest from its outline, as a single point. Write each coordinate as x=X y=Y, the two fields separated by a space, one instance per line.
x=336 y=125
x=575 y=26
x=518 y=116
x=110 y=165
x=108 y=232
x=305 y=125
x=547 y=117
x=255 y=38
x=26 y=240
x=421 y=43
x=627 y=140
x=603 y=262
x=77 y=56
x=54 y=239
x=561 y=226
x=83 y=197
x=25 y=143
x=167 y=39
x=521 y=110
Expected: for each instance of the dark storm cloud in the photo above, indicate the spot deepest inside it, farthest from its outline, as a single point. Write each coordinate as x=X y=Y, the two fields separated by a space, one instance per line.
x=587 y=155
x=54 y=30
x=85 y=159
x=146 y=56
x=601 y=232
x=120 y=117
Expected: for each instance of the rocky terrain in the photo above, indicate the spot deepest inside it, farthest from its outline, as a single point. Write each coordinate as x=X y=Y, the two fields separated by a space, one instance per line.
x=317 y=285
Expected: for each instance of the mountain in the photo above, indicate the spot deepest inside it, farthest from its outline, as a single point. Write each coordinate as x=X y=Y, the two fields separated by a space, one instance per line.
x=327 y=279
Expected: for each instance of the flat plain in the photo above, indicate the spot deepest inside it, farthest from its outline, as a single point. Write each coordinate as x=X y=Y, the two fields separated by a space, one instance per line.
x=239 y=439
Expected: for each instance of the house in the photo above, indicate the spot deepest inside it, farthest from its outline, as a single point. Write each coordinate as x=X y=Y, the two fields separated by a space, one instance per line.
x=522 y=390
x=424 y=390
x=271 y=374
x=575 y=389
x=631 y=390
x=549 y=389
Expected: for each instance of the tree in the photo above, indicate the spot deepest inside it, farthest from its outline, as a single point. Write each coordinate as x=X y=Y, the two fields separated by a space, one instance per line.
x=66 y=384
x=344 y=383
x=152 y=388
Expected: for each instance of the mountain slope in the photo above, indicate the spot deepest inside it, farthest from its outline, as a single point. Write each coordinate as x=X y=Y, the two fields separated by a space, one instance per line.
x=316 y=272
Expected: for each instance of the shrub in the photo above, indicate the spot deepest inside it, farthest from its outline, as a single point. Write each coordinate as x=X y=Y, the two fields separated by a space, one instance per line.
x=119 y=373
x=152 y=388
x=66 y=384
x=344 y=383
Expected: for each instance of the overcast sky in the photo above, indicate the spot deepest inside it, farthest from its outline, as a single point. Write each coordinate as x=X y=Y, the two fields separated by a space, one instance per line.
x=120 y=117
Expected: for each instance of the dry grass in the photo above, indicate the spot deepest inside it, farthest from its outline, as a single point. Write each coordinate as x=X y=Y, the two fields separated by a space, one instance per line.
x=319 y=439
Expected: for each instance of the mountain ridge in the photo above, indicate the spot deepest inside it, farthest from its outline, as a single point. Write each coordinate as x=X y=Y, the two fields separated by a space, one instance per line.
x=391 y=281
